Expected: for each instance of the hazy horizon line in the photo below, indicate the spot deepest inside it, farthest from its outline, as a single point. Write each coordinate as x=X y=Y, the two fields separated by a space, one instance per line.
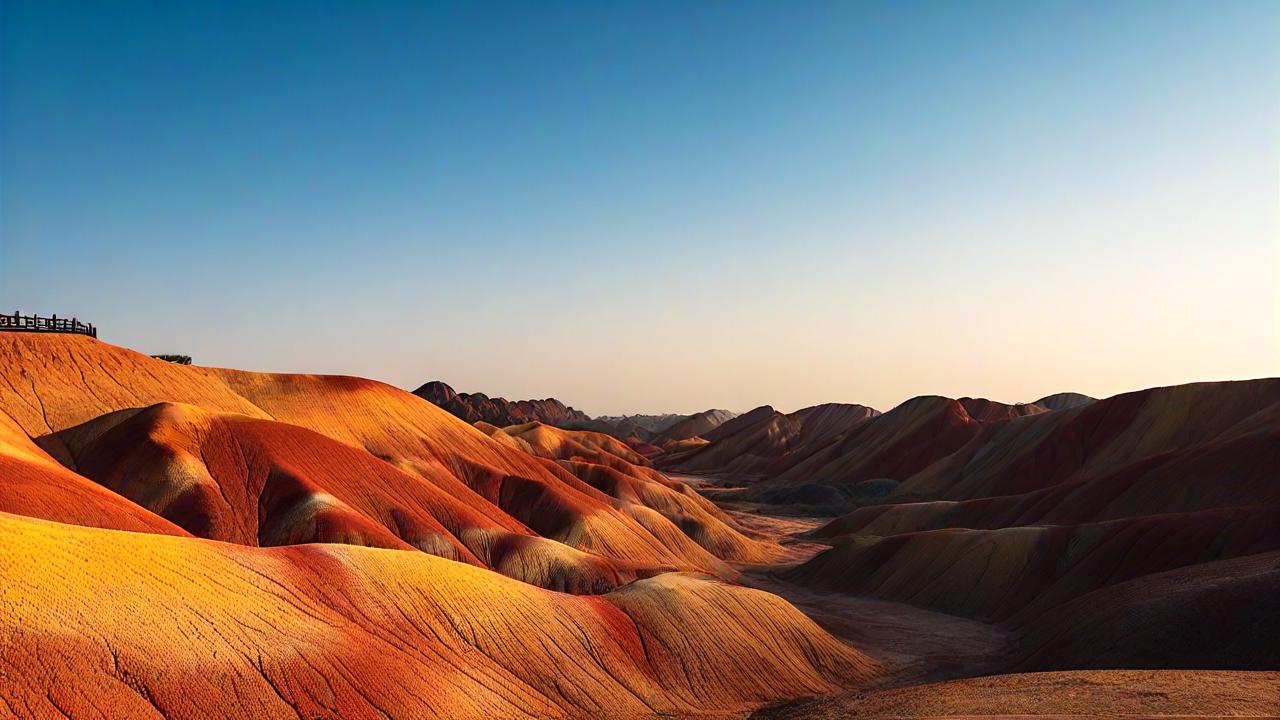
x=1099 y=396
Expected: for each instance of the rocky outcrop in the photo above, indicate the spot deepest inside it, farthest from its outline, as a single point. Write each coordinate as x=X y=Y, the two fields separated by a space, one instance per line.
x=477 y=407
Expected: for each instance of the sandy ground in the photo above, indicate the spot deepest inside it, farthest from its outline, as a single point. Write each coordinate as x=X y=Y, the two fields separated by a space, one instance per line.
x=940 y=665
x=1086 y=693
x=914 y=644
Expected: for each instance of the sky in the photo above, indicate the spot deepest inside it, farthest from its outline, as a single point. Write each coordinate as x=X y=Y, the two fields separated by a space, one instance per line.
x=656 y=206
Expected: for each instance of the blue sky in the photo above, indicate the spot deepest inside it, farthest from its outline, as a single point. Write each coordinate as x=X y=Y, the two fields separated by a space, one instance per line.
x=656 y=206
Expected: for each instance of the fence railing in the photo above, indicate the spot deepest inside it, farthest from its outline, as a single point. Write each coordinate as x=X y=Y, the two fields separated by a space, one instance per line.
x=35 y=323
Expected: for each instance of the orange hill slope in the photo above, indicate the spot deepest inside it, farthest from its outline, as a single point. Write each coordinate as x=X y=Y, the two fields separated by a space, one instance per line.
x=58 y=381
x=258 y=482
x=556 y=443
x=613 y=468
x=35 y=485
x=212 y=474
x=61 y=381
x=103 y=623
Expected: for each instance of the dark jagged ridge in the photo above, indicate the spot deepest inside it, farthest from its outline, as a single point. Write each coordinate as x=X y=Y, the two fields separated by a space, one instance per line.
x=477 y=407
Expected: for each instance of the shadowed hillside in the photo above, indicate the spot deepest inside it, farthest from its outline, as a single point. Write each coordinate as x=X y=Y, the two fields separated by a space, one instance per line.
x=695 y=425
x=36 y=485
x=1135 y=531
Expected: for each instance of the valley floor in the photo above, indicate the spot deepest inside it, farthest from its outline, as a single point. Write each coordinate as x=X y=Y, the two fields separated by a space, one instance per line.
x=1088 y=693
x=940 y=665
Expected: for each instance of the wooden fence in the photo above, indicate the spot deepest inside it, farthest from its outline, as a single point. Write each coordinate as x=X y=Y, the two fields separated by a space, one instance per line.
x=55 y=324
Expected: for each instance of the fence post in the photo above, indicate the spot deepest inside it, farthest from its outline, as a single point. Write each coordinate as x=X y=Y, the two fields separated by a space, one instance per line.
x=53 y=323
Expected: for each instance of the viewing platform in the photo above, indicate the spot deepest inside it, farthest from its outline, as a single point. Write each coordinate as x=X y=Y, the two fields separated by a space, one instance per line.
x=34 y=323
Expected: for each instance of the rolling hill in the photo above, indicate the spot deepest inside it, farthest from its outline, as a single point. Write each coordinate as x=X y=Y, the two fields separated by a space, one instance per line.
x=178 y=538
x=695 y=425
x=334 y=546
x=104 y=623
x=1135 y=531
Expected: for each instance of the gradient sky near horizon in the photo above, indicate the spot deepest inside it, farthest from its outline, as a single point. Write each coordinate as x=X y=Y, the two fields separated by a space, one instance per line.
x=656 y=206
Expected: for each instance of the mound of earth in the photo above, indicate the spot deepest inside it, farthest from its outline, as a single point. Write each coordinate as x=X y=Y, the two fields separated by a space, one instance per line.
x=60 y=383
x=695 y=425
x=110 y=623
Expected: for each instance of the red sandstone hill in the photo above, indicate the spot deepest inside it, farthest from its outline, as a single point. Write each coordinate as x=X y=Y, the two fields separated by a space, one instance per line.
x=645 y=448
x=544 y=440
x=36 y=485
x=1184 y=448
x=258 y=482
x=1235 y=469
x=182 y=538
x=611 y=467
x=760 y=441
x=104 y=623
x=824 y=458
x=1100 y=437
x=696 y=425
x=140 y=618
x=308 y=417
x=984 y=410
x=1134 y=531
x=829 y=457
